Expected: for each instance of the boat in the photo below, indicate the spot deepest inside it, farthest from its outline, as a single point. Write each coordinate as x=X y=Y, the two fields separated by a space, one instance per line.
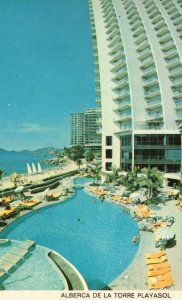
x=29 y=169
x=39 y=168
x=34 y=169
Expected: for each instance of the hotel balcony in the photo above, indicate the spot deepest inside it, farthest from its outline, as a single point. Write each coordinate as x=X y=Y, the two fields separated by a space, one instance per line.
x=122 y=105
x=148 y=3
x=152 y=94
x=177 y=82
x=162 y=31
x=120 y=85
x=134 y=19
x=107 y=10
x=136 y=25
x=175 y=15
x=111 y=21
x=138 y=31
x=130 y=8
x=149 y=71
x=160 y=25
x=127 y=4
x=121 y=129
x=116 y=49
x=157 y=18
x=117 y=65
x=132 y=13
x=154 y=104
x=121 y=95
x=143 y=45
x=174 y=62
x=154 y=13
x=113 y=33
x=150 y=82
x=171 y=53
x=179 y=117
x=144 y=54
x=165 y=38
x=119 y=74
x=115 y=41
x=122 y=118
x=179 y=27
x=167 y=46
x=109 y=16
x=112 y=27
x=171 y=9
x=175 y=72
x=141 y=38
x=151 y=8
x=177 y=93
x=147 y=62
x=117 y=56
x=178 y=20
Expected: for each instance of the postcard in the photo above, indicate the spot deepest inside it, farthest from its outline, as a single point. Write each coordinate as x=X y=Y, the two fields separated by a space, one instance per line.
x=90 y=149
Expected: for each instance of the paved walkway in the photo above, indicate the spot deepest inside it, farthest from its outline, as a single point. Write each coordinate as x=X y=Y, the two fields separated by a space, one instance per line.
x=135 y=278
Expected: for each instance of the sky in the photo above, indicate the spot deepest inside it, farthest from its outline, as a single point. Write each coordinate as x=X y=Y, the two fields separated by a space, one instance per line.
x=46 y=71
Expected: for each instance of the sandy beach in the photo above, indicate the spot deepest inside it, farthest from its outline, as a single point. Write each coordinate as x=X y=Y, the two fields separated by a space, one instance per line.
x=6 y=182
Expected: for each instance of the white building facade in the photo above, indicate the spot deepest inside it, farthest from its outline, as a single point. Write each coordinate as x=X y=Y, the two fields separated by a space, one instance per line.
x=137 y=48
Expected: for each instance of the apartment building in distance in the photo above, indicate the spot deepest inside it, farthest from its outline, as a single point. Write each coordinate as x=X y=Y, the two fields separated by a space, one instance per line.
x=137 y=47
x=84 y=130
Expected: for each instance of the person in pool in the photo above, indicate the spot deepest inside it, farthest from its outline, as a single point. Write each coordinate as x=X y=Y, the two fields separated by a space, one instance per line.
x=135 y=239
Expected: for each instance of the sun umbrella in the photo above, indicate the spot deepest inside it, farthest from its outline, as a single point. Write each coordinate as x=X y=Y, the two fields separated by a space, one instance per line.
x=165 y=233
x=154 y=207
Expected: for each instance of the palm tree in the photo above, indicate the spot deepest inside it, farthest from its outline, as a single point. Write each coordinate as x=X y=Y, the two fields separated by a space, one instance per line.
x=95 y=172
x=112 y=176
x=151 y=179
x=79 y=163
x=130 y=180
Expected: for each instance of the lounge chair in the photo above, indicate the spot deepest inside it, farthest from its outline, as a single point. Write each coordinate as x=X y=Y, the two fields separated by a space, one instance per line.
x=156 y=260
x=163 y=271
x=158 y=266
x=155 y=255
x=27 y=244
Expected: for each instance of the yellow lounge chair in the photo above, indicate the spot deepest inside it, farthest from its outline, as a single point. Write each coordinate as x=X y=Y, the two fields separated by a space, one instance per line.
x=158 y=266
x=155 y=255
x=153 y=273
x=156 y=260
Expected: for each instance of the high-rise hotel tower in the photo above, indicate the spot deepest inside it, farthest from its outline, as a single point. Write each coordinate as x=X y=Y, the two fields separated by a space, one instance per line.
x=137 y=48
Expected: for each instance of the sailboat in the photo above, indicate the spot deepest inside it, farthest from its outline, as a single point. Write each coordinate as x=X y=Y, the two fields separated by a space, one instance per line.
x=29 y=169
x=34 y=168
x=39 y=168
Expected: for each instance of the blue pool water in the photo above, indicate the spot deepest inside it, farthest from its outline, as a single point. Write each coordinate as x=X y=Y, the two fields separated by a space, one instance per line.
x=94 y=236
x=45 y=275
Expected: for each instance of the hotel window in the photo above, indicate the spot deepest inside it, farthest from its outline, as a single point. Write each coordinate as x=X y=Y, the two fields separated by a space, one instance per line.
x=108 y=166
x=108 y=153
x=108 y=140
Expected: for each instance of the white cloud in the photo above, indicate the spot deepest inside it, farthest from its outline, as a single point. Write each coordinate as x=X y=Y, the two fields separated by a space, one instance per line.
x=33 y=127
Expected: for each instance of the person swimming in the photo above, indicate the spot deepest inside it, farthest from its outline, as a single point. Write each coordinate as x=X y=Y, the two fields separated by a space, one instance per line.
x=135 y=239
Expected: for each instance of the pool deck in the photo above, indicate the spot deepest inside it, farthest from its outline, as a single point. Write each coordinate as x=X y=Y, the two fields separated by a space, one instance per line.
x=135 y=277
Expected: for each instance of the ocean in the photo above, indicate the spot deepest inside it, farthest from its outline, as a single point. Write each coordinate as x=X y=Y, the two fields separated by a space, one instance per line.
x=12 y=161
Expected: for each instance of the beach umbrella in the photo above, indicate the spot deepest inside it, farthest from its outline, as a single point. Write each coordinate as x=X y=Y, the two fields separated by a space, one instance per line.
x=154 y=207
x=165 y=233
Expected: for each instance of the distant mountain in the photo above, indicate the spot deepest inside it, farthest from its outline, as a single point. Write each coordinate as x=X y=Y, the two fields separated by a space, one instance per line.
x=45 y=150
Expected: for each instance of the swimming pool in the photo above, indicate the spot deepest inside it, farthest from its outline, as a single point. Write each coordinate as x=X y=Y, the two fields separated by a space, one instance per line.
x=96 y=237
x=45 y=275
